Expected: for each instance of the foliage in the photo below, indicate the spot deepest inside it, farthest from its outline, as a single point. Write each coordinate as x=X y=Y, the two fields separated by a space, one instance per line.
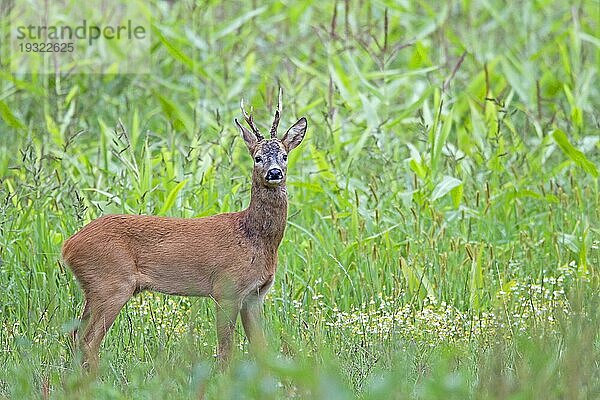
x=443 y=238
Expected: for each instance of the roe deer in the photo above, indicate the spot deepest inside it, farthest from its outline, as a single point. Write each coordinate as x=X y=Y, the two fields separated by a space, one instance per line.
x=229 y=257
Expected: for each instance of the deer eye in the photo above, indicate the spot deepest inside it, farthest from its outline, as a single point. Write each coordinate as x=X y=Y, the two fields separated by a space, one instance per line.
x=258 y=159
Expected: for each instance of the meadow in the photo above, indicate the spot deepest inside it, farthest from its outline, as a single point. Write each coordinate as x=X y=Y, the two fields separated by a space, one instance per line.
x=443 y=238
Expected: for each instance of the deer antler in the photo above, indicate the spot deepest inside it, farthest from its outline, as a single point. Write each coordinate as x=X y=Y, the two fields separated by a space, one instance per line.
x=277 y=116
x=250 y=121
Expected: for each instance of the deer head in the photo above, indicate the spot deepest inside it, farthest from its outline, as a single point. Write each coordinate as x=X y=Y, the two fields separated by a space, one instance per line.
x=270 y=155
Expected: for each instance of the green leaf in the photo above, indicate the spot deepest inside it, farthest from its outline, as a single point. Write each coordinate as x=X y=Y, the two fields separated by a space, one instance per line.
x=238 y=22
x=420 y=56
x=439 y=141
x=416 y=162
x=577 y=156
x=341 y=80
x=178 y=54
x=418 y=168
x=457 y=194
x=8 y=116
x=569 y=241
x=181 y=120
x=145 y=181
x=322 y=164
x=171 y=197
x=447 y=184
x=476 y=278
x=53 y=129
x=417 y=282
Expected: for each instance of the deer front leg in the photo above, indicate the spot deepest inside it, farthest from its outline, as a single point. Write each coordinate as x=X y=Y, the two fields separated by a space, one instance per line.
x=227 y=313
x=252 y=310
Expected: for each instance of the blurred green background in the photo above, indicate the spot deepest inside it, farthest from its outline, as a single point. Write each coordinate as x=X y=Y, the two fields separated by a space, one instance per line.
x=443 y=237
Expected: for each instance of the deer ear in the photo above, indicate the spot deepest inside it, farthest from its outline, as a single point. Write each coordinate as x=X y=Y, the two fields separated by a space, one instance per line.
x=295 y=134
x=248 y=136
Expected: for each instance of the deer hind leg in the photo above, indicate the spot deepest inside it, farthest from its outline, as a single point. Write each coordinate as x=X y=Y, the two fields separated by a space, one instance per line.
x=102 y=313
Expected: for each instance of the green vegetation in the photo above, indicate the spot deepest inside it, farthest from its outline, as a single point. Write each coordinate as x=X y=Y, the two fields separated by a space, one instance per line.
x=443 y=237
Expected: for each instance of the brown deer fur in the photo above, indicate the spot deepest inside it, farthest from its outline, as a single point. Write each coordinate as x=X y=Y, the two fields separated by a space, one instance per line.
x=229 y=257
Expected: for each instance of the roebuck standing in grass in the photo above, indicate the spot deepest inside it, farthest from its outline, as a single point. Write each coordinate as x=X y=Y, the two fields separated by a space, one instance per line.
x=229 y=257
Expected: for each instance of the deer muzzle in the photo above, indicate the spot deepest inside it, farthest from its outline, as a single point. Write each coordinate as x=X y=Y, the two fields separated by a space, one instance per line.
x=274 y=175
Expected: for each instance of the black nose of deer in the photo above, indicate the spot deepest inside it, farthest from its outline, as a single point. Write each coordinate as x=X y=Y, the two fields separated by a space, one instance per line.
x=274 y=174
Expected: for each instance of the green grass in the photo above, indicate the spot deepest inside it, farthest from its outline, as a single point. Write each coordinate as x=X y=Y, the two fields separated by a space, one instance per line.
x=443 y=237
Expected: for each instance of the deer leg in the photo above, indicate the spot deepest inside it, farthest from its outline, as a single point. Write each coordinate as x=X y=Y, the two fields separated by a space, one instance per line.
x=252 y=310
x=227 y=313
x=102 y=315
x=252 y=316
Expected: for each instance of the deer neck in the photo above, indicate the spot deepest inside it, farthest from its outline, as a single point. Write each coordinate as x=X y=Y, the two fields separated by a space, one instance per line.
x=265 y=218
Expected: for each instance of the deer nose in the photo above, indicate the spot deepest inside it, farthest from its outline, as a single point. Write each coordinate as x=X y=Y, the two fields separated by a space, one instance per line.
x=274 y=174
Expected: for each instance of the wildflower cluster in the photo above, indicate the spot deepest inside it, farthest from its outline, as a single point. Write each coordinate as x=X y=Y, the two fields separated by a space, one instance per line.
x=517 y=309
